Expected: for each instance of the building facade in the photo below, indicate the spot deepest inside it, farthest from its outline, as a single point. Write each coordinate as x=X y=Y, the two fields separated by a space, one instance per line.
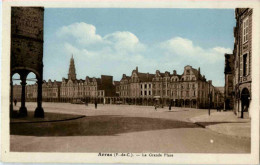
x=229 y=76
x=101 y=90
x=242 y=61
x=189 y=89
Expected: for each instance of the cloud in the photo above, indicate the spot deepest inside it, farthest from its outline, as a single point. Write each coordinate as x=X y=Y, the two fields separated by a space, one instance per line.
x=184 y=48
x=124 y=41
x=119 y=52
x=84 y=33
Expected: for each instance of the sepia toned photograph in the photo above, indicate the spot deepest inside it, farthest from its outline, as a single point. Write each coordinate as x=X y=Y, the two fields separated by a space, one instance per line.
x=132 y=83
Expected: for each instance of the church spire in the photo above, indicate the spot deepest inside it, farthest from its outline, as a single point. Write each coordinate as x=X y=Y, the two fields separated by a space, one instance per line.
x=72 y=70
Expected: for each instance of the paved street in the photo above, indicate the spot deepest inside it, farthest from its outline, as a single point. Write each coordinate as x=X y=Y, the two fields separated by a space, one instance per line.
x=121 y=128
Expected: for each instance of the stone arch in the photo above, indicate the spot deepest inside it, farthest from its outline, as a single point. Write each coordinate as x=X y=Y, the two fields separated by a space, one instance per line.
x=245 y=101
x=187 y=103
x=145 y=101
x=150 y=101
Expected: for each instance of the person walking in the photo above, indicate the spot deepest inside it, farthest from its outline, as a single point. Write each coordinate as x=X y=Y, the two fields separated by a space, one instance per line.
x=95 y=104
x=15 y=101
x=155 y=107
x=170 y=107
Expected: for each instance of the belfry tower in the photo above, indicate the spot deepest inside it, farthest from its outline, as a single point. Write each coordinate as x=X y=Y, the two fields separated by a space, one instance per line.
x=72 y=70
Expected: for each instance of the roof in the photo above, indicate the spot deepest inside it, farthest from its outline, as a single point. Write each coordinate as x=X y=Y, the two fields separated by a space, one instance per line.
x=221 y=89
x=116 y=82
x=145 y=77
x=197 y=74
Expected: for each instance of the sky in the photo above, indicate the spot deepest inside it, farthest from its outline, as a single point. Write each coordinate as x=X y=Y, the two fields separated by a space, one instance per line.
x=113 y=41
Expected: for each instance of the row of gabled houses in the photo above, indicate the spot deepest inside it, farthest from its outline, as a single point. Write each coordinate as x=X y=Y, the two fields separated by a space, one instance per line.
x=189 y=89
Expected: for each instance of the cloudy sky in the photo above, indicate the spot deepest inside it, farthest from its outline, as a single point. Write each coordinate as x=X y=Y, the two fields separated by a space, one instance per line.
x=115 y=41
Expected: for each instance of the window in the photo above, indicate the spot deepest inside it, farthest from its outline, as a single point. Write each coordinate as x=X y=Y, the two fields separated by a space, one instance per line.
x=245 y=65
x=145 y=93
x=149 y=85
x=149 y=92
x=145 y=86
x=187 y=72
x=141 y=93
x=141 y=86
x=245 y=29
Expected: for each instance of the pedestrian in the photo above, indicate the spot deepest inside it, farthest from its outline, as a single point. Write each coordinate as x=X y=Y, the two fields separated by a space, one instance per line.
x=95 y=104
x=15 y=101
x=155 y=107
x=170 y=106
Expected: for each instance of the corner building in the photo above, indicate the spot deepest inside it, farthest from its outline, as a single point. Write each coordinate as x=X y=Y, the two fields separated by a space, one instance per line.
x=242 y=62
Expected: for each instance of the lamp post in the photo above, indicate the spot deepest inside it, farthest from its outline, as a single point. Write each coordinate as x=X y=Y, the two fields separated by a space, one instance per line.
x=210 y=97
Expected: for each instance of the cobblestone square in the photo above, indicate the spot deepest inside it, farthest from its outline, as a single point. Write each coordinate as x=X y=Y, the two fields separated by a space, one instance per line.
x=120 y=128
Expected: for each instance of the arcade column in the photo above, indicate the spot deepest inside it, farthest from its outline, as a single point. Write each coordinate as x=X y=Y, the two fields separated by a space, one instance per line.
x=39 y=110
x=11 y=97
x=23 y=109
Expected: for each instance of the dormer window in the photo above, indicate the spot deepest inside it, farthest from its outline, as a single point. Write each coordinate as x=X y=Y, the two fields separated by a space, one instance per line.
x=188 y=72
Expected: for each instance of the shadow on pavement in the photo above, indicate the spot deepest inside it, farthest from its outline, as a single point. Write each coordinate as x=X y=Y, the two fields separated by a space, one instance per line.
x=49 y=117
x=205 y=124
x=97 y=126
x=176 y=111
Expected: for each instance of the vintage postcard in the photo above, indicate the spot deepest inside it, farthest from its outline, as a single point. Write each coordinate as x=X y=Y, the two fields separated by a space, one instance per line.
x=130 y=82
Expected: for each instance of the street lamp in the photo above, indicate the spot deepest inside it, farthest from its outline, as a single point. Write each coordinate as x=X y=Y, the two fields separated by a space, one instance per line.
x=209 y=96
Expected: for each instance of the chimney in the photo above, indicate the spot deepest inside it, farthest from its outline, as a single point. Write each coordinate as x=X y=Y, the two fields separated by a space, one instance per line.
x=174 y=72
x=199 y=70
x=136 y=69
